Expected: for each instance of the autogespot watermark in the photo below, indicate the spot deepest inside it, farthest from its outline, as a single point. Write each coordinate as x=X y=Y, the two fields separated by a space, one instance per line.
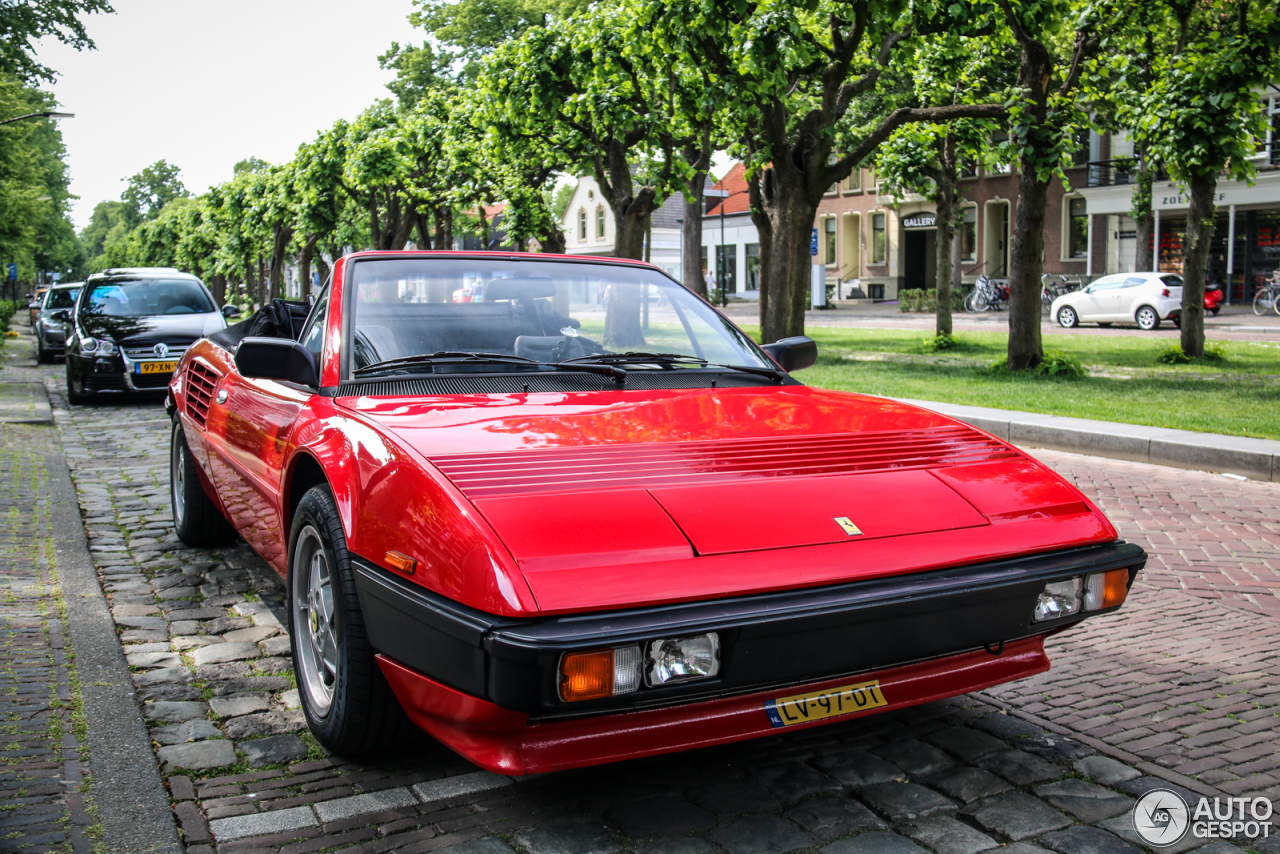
x=1162 y=817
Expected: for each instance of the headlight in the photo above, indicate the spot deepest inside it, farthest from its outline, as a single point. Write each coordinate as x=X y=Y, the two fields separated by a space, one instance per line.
x=95 y=345
x=1059 y=599
x=683 y=659
x=106 y=348
x=89 y=345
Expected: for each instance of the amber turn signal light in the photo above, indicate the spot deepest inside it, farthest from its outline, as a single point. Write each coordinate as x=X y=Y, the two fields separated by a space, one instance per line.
x=586 y=675
x=599 y=673
x=1106 y=589
x=401 y=562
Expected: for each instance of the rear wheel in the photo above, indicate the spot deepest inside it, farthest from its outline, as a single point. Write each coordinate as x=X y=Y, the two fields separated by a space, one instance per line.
x=196 y=519
x=348 y=704
x=1068 y=318
x=1147 y=318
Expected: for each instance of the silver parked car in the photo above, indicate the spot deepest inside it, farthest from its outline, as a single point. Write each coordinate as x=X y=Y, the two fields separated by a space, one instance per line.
x=51 y=333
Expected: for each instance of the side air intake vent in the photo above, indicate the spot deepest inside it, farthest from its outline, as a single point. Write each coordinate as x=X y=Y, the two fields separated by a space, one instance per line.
x=201 y=380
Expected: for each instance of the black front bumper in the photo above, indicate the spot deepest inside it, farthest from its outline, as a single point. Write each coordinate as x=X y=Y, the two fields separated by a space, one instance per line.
x=766 y=640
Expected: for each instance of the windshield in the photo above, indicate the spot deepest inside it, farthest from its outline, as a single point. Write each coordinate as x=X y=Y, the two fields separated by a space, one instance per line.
x=536 y=310
x=62 y=298
x=147 y=297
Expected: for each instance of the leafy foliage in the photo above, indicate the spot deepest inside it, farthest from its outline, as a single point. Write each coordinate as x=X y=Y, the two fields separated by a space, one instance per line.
x=24 y=22
x=1054 y=365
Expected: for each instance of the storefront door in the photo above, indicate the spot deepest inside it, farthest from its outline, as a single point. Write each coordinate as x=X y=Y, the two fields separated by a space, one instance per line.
x=918 y=261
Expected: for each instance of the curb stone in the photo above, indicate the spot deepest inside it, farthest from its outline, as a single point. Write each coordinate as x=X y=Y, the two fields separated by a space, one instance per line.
x=132 y=804
x=1258 y=459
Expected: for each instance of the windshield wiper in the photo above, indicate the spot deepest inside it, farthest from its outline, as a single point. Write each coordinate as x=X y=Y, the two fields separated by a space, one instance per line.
x=633 y=357
x=618 y=374
x=432 y=358
x=636 y=357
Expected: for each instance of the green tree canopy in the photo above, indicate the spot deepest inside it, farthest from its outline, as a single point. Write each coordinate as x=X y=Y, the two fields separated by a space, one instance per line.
x=151 y=189
x=24 y=22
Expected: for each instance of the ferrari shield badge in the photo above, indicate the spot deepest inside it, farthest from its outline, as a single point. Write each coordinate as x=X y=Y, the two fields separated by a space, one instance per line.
x=846 y=525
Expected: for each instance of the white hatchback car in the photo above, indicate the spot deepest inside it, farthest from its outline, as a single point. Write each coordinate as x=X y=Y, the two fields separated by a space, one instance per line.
x=1141 y=298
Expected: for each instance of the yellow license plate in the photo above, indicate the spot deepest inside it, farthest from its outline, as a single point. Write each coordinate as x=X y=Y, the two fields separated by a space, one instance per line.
x=816 y=705
x=157 y=367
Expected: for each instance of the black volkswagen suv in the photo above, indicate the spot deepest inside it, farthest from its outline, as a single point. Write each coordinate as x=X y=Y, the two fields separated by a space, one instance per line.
x=130 y=327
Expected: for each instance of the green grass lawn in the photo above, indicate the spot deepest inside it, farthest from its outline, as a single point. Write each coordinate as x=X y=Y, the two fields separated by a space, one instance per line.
x=1240 y=396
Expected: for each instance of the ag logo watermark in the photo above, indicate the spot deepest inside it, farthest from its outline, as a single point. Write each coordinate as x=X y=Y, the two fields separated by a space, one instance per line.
x=1162 y=817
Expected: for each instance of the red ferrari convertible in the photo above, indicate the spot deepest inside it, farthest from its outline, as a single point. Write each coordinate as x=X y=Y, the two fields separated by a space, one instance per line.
x=578 y=516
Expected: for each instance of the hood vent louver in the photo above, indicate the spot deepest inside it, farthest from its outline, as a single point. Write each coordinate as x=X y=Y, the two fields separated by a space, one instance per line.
x=686 y=463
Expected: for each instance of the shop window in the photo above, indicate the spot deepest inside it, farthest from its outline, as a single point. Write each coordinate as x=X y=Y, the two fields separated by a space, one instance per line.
x=879 y=246
x=829 y=234
x=853 y=184
x=600 y=223
x=753 y=266
x=969 y=235
x=582 y=225
x=968 y=168
x=1077 y=229
x=873 y=181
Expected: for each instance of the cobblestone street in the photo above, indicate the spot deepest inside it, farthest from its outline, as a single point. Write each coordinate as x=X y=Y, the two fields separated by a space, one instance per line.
x=1177 y=691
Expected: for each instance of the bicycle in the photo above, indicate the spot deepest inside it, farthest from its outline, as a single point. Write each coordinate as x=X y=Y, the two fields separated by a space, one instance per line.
x=1267 y=297
x=987 y=294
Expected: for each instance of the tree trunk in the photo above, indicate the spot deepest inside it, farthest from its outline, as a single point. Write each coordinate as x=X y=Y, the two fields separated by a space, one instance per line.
x=789 y=268
x=218 y=283
x=946 y=235
x=322 y=267
x=691 y=236
x=552 y=240
x=280 y=237
x=1026 y=263
x=1143 y=218
x=764 y=231
x=424 y=230
x=1195 y=260
x=622 y=328
x=444 y=228
x=304 y=264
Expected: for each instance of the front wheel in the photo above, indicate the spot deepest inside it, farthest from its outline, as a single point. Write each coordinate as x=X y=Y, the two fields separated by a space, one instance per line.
x=1262 y=301
x=196 y=518
x=1067 y=317
x=1147 y=318
x=347 y=702
x=75 y=388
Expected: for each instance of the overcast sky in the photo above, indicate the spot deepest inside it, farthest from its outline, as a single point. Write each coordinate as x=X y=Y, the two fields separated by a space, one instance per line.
x=204 y=85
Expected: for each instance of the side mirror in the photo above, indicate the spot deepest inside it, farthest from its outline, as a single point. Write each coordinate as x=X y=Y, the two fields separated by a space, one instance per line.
x=230 y=310
x=277 y=359
x=62 y=315
x=793 y=353
x=33 y=305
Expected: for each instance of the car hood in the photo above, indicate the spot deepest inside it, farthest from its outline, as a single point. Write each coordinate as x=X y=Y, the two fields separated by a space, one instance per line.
x=595 y=495
x=137 y=331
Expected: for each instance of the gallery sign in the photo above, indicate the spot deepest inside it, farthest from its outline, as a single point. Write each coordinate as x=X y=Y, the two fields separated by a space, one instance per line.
x=920 y=220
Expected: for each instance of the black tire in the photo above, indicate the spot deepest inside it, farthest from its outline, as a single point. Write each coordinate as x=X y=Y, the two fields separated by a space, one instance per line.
x=349 y=706
x=1214 y=311
x=1148 y=318
x=1067 y=317
x=74 y=396
x=196 y=518
x=43 y=356
x=1104 y=325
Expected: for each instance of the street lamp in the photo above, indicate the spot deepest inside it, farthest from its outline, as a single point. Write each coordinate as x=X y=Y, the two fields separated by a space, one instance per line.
x=47 y=114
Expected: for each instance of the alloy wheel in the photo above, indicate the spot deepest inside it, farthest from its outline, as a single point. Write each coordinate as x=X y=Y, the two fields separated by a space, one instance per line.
x=316 y=621
x=177 y=480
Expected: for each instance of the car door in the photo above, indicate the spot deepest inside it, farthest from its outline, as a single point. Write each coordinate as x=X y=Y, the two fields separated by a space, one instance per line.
x=1133 y=292
x=255 y=419
x=1092 y=303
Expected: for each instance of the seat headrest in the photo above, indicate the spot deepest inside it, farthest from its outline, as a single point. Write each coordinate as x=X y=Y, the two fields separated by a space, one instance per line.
x=525 y=287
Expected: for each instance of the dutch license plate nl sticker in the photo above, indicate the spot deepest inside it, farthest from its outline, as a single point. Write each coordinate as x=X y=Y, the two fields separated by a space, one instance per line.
x=816 y=705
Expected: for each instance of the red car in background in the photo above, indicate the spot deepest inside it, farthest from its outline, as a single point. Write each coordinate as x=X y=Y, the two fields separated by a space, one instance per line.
x=584 y=518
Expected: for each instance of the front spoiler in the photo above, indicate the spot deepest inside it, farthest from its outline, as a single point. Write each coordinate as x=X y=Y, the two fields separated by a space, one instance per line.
x=507 y=742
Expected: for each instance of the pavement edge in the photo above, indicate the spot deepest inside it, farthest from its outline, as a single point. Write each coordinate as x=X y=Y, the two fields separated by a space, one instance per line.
x=132 y=803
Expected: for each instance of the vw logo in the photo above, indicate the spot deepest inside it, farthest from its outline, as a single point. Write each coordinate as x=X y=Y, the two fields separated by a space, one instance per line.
x=161 y=350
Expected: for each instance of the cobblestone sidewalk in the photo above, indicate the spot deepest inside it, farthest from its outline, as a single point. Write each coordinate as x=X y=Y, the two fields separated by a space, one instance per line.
x=203 y=634
x=44 y=780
